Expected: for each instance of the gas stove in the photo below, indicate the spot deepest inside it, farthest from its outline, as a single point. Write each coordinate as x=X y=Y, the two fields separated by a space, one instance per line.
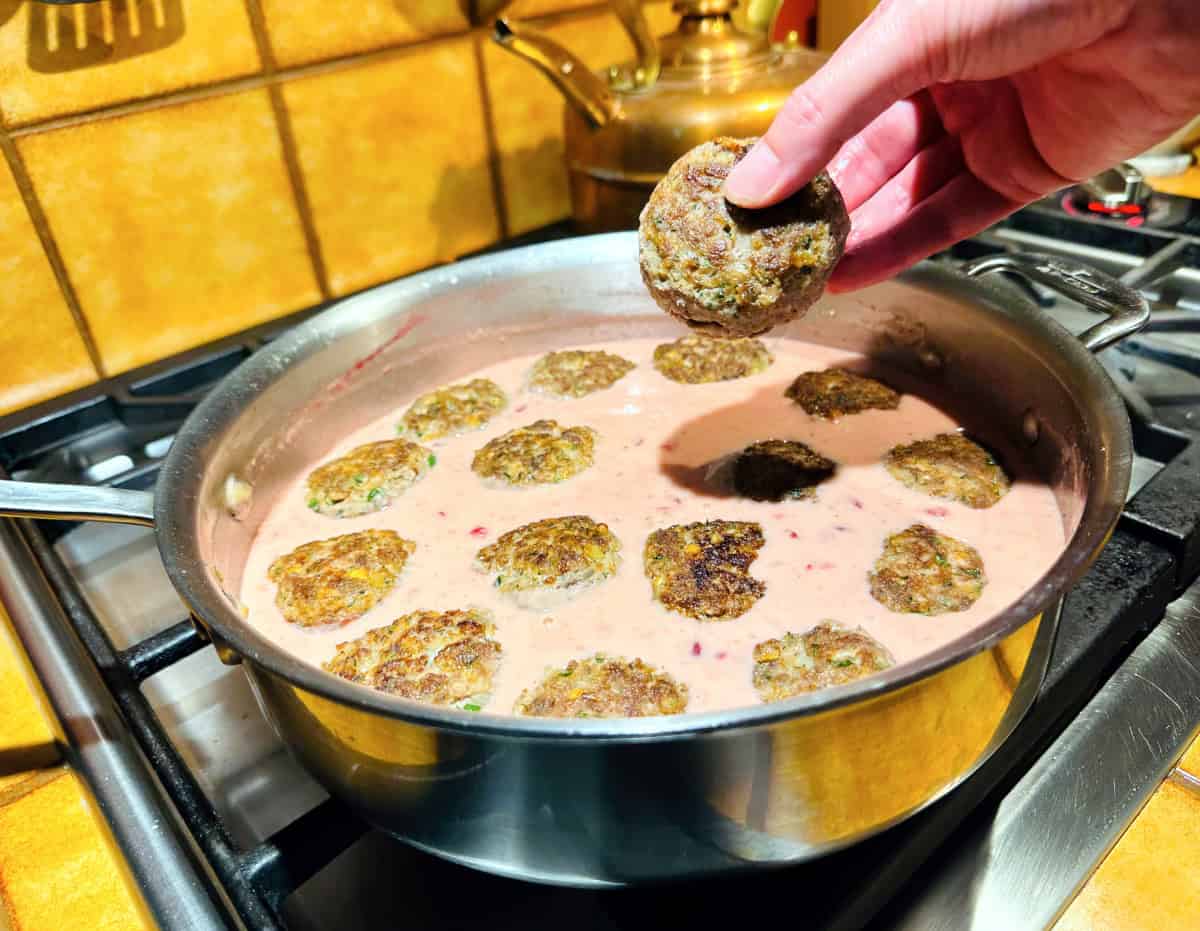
x=223 y=829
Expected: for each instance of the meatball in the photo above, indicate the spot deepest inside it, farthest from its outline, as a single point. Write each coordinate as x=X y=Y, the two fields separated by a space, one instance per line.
x=924 y=572
x=702 y=570
x=574 y=373
x=558 y=552
x=367 y=478
x=541 y=454
x=697 y=359
x=732 y=271
x=604 y=687
x=336 y=580
x=827 y=655
x=834 y=393
x=440 y=657
x=772 y=470
x=455 y=409
x=949 y=466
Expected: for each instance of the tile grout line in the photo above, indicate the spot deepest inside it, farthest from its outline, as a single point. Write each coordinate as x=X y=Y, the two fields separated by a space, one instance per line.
x=272 y=76
x=490 y=137
x=144 y=105
x=287 y=144
x=41 y=225
x=37 y=780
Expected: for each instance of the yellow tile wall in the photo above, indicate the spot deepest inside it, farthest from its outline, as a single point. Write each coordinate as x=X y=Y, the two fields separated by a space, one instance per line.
x=376 y=162
x=193 y=231
x=172 y=171
x=836 y=19
x=43 y=352
x=59 y=867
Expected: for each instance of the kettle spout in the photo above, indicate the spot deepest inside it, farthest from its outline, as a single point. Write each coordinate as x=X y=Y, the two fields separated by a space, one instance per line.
x=584 y=90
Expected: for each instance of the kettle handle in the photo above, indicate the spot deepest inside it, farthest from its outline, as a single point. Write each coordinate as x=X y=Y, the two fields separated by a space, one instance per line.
x=629 y=12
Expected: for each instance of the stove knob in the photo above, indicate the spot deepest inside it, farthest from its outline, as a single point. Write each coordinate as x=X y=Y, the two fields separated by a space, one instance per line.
x=1118 y=187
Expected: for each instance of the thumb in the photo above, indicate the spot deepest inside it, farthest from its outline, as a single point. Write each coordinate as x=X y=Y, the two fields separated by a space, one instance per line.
x=880 y=63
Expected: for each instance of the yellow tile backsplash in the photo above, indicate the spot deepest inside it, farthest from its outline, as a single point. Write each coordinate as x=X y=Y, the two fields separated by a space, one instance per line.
x=43 y=353
x=528 y=9
x=193 y=168
x=177 y=225
x=58 y=871
x=304 y=31
x=179 y=43
x=393 y=185
x=27 y=740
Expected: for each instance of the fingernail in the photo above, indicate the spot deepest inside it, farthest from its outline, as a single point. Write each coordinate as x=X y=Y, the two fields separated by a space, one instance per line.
x=754 y=177
x=854 y=238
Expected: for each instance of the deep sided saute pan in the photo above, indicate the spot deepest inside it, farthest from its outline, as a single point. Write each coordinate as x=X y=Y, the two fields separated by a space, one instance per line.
x=593 y=802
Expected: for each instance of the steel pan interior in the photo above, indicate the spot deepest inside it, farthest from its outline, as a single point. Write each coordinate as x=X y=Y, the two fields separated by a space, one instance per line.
x=595 y=802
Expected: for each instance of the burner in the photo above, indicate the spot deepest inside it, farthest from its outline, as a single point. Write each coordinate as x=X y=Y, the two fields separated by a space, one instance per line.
x=1161 y=211
x=1122 y=196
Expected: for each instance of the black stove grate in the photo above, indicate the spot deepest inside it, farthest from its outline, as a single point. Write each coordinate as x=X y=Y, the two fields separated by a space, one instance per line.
x=257 y=879
x=116 y=433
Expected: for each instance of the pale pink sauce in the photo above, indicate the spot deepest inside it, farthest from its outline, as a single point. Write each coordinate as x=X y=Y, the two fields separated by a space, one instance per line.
x=815 y=561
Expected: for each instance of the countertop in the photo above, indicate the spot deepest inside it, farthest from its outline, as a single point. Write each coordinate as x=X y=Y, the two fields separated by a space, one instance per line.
x=59 y=867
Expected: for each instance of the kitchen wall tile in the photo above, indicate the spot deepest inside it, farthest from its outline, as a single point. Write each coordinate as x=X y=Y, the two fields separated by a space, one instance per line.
x=42 y=353
x=527 y=9
x=26 y=737
x=1191 y=760
x=177 y=225
x=59 y=867
x=199 y=42
x=527 y=114
x=397 y=180
x=310 y=30
x=1149 y=880
x=836 y=19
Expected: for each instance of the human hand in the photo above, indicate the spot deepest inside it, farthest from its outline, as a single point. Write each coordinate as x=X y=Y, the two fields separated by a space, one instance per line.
x=937 y=118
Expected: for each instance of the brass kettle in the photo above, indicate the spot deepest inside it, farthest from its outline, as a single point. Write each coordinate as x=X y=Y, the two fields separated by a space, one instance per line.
x=624 y=127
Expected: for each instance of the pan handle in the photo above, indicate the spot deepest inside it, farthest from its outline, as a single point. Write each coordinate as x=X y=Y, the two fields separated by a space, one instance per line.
x=1127 y=311
x=76 y=502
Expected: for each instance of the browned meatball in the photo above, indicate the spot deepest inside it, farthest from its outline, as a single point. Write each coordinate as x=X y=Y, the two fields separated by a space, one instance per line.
x=558 y=553
x=833 y=393
x=604 y=687
x=949 y=466
x=337 y=580
x=696 y=359
x=367 y=478
x=702 y=570
x=575 y=373
x=454 y=409
x=924 y=572
x=440 y=657
x=541 y=454
x=732 y=271
x=827 y=655
x=773 y=470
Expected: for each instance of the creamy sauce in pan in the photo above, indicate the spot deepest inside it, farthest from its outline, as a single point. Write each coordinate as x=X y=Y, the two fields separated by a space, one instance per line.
x=652 y=430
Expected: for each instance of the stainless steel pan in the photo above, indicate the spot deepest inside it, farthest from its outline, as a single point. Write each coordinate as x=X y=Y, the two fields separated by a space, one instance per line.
x=593 y=802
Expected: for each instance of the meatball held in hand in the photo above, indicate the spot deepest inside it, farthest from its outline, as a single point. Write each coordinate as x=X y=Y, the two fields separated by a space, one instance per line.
x=730 y=271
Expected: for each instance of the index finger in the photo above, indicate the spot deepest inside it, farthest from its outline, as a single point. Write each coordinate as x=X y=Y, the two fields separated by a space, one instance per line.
x=873 y=69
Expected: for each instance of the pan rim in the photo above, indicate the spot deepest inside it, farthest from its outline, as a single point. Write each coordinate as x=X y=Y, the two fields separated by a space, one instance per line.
x=179 y=480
